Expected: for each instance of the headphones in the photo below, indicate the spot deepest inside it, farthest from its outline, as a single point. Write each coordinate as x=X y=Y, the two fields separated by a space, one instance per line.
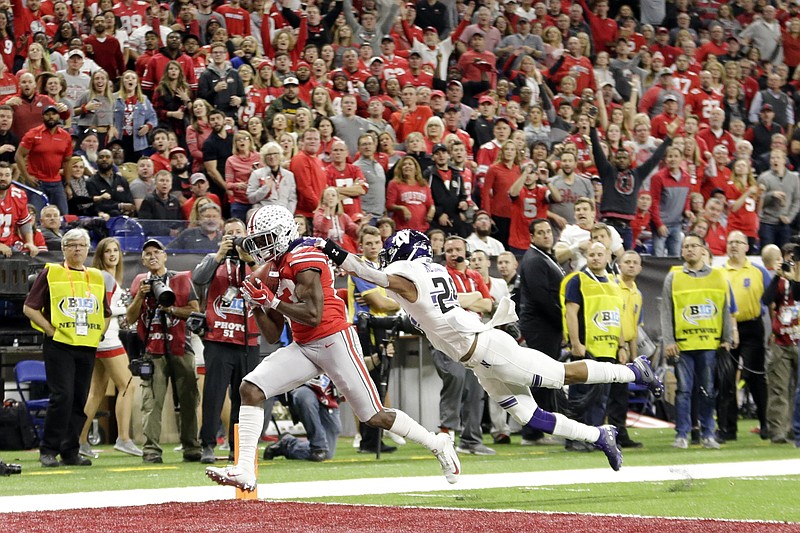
x=467 y=247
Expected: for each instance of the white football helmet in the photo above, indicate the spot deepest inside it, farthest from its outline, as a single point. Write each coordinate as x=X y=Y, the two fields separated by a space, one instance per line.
x=270 y=231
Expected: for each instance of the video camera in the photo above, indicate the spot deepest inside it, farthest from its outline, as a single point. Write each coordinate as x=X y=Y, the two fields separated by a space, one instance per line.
x=9 y=469
x=142 y=367
x=159 y=290
x=395 y=324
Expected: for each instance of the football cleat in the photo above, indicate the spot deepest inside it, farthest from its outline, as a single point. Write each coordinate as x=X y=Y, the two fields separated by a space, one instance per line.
x=232 y=476
x=607 y=442
x=445 y=452
x=645 y=375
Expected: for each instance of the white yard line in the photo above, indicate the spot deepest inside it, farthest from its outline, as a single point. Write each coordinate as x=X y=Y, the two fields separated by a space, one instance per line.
x=356 y=487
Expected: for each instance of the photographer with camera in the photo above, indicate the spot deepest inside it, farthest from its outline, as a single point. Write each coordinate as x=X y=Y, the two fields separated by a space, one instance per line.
x=231 y=340
x=68 y=304
x=365 y=297
x=781 y=297
x=162 y=301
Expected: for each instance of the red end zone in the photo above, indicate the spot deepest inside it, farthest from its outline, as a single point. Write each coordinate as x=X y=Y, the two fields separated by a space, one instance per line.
x=235 y=515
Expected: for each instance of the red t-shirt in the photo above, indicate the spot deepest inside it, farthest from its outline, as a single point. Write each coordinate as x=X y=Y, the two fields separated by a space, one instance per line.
x=48 y=151
x=417 y=198
x=530 y=204
x=291 y=265
x=350 y=175
x=13 y=214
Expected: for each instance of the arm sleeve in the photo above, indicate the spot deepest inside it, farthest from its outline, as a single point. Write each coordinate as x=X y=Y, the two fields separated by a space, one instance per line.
x=771 y=291
x=204 y=272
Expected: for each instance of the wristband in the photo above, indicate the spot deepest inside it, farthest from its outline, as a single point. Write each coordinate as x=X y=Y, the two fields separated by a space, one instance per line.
x=335 y=252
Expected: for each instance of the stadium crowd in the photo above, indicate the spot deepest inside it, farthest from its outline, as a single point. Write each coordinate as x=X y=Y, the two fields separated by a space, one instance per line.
x=653 y=119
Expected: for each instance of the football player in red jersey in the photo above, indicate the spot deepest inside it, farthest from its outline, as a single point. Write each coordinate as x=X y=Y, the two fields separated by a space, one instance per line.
x=14 y=215
x=322 y=343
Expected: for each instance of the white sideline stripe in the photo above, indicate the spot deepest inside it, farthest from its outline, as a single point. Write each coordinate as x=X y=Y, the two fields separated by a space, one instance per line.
x=357 y=487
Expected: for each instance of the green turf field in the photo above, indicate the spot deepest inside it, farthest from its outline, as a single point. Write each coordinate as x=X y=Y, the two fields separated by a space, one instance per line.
x=767 y=498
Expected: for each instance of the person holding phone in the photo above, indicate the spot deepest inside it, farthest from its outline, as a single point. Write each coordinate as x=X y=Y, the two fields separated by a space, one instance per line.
x=530 y=196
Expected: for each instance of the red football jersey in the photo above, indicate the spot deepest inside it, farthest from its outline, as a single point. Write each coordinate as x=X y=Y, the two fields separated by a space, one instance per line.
x=350 y=175
x=292 y=264
x=13 y=214
x=530 y=204
x=132 y=17
x=703 y=102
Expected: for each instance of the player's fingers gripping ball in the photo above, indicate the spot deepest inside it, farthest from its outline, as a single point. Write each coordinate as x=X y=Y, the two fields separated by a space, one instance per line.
x=268 y=274
x=256 y=293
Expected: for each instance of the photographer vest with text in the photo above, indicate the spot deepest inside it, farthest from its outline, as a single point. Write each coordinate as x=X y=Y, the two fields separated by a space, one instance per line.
x=226 y=320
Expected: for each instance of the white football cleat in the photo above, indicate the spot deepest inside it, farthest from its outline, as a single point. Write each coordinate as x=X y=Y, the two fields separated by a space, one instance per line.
x=445 y=452
x=232 y=476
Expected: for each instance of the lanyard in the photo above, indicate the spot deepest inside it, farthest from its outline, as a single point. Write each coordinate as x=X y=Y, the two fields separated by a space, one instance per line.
x=69 y=277
x=550 y=259
x=228 y=272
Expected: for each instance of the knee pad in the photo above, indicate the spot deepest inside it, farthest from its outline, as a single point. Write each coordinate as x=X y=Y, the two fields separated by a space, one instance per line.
x=543 y=421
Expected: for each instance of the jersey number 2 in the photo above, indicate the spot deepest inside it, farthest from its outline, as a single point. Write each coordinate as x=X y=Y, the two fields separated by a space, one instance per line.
x=445 y=294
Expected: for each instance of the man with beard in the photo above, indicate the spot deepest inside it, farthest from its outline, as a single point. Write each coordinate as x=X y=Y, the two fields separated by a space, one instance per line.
x=577 y=238
x=14 y=215
x=180 y=166
x=110 y=191
x=288 y=103
x=106 y=49
x=571 y=186
x=216 y=151
x=28 y=106
x=43 y=157
x=8 y=140
x=144 y=184
x=206 y=236
x=480 y=238
x=621 y=184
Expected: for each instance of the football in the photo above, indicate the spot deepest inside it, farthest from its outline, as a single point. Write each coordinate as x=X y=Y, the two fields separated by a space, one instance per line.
x=268 y=274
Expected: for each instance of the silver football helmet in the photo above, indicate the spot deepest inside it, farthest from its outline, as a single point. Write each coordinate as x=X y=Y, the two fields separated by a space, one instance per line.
x=270 y=231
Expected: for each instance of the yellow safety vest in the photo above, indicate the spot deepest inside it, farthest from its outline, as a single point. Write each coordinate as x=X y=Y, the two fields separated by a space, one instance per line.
x=602 y=314
x=632 y=310
x=71 y=297
x=698 y=305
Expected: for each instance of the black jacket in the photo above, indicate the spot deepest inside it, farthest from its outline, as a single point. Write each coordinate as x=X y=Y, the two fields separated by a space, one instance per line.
x=447 y=199
x=540 y=302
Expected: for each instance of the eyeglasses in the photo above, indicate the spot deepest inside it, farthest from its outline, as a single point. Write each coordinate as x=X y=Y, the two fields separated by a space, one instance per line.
x=738 y=242
x=76 y=245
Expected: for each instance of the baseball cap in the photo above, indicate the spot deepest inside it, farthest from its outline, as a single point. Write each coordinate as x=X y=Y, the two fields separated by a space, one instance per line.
x=197 y=176
x=191 y=36
x=414 y=53
x=152 y=242
x=431 y=28
x=372 y=60
x=606 y=83
x=438 y=147
x=387 y=38
x=658 y=55
x=76 y=52
x=665 y=72
x=766 y=107
x=454 y=82
x=438 y=94
x=49 y=108
x=670 y=97
x=291 y=80
x=265 y=62
x=662 y=30
x=452 y=107
x=482 y=212
x=177 y=150
x=338 y=73
x=507 y=121
x=485 y=99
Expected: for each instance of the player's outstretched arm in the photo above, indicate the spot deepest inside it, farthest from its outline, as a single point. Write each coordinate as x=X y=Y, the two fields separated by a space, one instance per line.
x=353 y=265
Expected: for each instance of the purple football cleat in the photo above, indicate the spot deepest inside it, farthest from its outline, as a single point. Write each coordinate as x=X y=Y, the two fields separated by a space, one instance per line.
x=607 y=442
x=645 y=375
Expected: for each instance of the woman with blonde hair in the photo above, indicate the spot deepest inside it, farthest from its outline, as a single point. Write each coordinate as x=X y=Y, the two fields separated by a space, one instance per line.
x=78 y=198
x=744 y=196
x=111 y=362
x=434 y=132
x=302 y=121
x=238 y=168
x=134 y=116
x=198 y=132
x=289 y=145
x=321 y=105
x=194 y=214
x=408 y=197
x=271 y=184
x=285 y=41
x=95 y=108
x=553 y=45
x=331 y=222
x=38 y=60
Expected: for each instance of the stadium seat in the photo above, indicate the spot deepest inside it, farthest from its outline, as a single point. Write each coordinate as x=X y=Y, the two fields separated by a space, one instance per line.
x=32 y=374
x=128 y=232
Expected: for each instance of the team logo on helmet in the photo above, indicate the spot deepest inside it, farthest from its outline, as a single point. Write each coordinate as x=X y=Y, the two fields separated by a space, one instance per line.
x=406 y=245
x=270 y=231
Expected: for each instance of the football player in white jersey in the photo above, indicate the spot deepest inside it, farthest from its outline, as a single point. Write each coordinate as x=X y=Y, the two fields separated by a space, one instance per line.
x=505 y=370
